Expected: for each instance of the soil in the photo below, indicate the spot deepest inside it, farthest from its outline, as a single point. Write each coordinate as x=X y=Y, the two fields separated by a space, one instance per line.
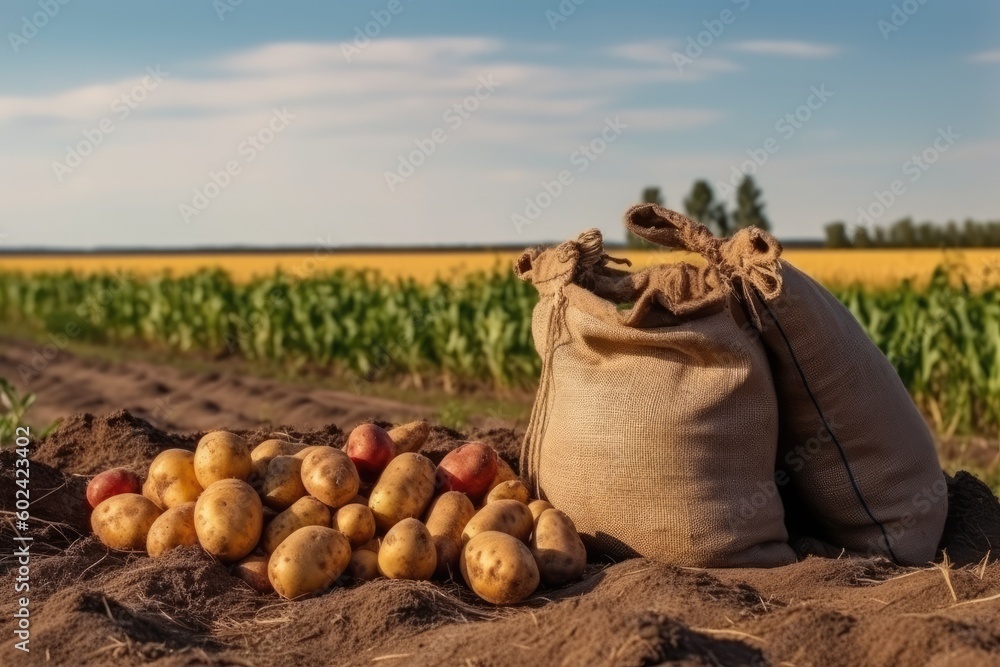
x=92 y=606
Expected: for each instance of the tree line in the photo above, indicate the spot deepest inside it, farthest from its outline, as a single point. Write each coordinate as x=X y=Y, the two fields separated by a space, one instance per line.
x=906 y=233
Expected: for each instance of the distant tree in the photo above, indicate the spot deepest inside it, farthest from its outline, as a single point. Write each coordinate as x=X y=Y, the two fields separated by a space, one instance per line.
x=836 y=235
x=749 y=207
x=700 y=205
x=902 y=234
x=650 y=195
x=862 y=239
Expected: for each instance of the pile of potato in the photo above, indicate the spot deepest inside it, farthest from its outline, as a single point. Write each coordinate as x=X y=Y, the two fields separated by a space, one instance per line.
x=289 y=516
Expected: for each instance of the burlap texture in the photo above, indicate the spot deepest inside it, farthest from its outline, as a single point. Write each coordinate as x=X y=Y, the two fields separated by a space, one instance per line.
x=853 y=448
x=654 y=427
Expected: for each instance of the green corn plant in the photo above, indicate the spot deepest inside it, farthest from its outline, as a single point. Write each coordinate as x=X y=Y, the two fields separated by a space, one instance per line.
x=15 y=404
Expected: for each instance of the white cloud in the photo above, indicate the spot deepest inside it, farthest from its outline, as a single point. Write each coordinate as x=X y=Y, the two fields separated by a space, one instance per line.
x=790 y=48
x=665 y=54
x=986 y=57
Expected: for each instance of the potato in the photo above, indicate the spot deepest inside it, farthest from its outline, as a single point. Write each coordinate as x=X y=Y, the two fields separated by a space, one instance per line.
x=505 y=516
x=557 y=548
x=330 y=475
x=253 y=570
x=371 y=449
x=303 y=512
x=404 y=490
x=123 y=521
x=446 y=519
x=356 y=522
x=228 y=519
x=267 y=450
x=538 y=506
x=358 y=500
x=372 y=545
x=469 y=469
x=504 y=474
x=171 y=480
x=363 y=565
x=111 y=483
x=512 y=489
x=282 y=483
x=221 y=455
x=309 y=449
x=174 y=528
x=308 y=561
x=411 y=436
x=499 y=568
x=407 y=552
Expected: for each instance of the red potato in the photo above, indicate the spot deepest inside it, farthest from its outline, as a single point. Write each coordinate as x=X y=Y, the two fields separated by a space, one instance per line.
x=470 y=469
x=112 y=483
x=371 y=449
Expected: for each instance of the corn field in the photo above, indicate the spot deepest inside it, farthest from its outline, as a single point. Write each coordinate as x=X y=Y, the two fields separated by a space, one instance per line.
x=943 y=338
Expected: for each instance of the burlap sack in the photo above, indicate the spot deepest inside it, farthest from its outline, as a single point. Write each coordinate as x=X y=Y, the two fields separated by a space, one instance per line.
x=855 y=449
x=654 y=427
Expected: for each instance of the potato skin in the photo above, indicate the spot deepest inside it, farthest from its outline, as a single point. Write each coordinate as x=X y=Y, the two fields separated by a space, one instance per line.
x=111 y=483
x=504 y=474
x=512 y=489
x=371 y=449
x=123 y=521
x=372 y=545
x=446 y=519
x=411 y=436
x=253 y=570
x=499 y=568
x=171 y=480
x=470 y=469
x=282 y=484
x=404 y=490
x=557 y=548
x=356 y=522
x=229 y=518
x=174 y=528
x=505 y=516
x=303 y=512
x=308 y=562
x=363 y=565
x=539 y=506
x=221 y=455
x=407 y=552
x=330 y=475
x=262 y=454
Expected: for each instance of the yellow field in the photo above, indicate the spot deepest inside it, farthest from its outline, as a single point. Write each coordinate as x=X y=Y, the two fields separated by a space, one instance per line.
x=835 y=267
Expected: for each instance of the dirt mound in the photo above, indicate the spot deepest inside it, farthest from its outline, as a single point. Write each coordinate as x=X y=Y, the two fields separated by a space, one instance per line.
x=91 y=606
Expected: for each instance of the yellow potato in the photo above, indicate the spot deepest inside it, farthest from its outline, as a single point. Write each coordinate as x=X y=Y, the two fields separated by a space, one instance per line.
x=303 y=512
x=499 y=568
x=372 y=545
x=267 y=450
x=404 y=490
x=363 y=565
x=221 y=455
x=309 y=449
x=172 y=480
x=505 y=516
x=229 y=519
x=411 y=436
x=446 y=519
x=407 y=552
x=253 y=570
x=123 y=521
x=512 y=489
x=557 y=548
x=504 y=474
x=308 y=562
x=174 y=528
x=329 y=474
x=356 y=522
x=538 y=506
x=282 y=484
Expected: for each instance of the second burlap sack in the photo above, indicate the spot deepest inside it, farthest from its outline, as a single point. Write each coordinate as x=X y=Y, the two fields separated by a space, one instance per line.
x=655 y=425
x=854 y=449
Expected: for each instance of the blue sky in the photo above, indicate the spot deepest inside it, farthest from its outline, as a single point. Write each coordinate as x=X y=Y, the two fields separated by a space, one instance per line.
x=195 y=123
